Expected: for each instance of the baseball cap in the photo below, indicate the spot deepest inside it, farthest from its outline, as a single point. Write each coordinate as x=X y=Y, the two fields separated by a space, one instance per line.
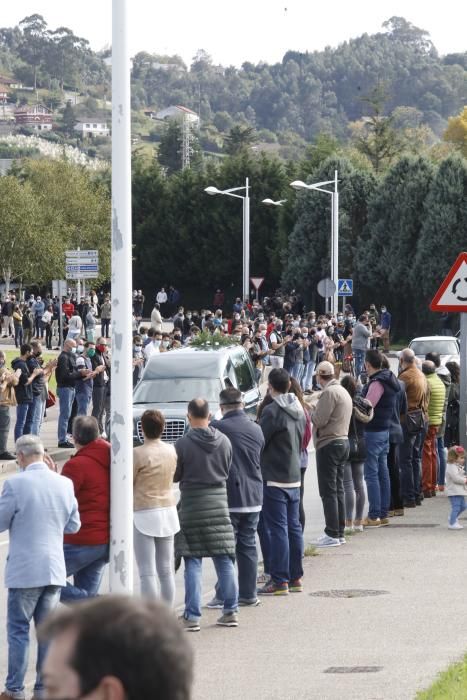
x=325 y=369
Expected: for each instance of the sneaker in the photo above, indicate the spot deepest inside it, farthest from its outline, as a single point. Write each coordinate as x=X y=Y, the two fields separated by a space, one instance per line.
x=411 y=504
x=358 y=528
x=369 y=522
x=272 y=588
x=244 y=603
x=215 y=604
x=326 y=541
x=262 y=578
x=456 y=526
x=348 y=529
x=228 y=620
x=342 y=540
x=66 y=445
x=296 y=586
x=384 y=521
x=418 y=502
x=189 y=625
x=391 y=513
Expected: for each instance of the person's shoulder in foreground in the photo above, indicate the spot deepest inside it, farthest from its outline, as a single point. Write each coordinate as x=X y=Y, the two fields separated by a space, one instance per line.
x=119 y=648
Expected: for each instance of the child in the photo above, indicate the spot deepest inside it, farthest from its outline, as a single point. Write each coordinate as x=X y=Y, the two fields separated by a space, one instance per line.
x=456 y=485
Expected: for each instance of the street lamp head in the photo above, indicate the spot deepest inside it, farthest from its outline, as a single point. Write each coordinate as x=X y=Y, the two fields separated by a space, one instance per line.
x=212 y=190
x=298 y=185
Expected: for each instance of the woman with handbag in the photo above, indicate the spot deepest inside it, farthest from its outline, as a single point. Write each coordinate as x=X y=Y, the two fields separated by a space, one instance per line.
x=354 y=489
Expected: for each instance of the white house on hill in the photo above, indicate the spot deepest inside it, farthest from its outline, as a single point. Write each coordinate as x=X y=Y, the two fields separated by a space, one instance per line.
x=178 y=112
x=92 y=128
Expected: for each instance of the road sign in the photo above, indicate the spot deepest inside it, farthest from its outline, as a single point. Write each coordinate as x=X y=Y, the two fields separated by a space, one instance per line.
x=326 y=288
x=452 y=295
x=82 y=253
x=82 y=275
x=82 y=261
x=345 y=288
x=82 y=268
x=256 y=282
x=59 y=288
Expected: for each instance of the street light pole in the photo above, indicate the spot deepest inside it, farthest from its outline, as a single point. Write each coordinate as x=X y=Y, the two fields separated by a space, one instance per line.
x=121 y=474
x=319 y=186
x=245 y=230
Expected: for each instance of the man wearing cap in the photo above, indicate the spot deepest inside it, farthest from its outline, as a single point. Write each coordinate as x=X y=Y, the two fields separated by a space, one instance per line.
x=331 y=420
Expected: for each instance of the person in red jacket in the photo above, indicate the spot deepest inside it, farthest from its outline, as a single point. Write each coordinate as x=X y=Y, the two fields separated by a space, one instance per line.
x=87 y=552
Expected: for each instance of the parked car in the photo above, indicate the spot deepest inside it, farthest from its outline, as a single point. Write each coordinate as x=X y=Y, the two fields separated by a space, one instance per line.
x=171 y=379
x=446 y=345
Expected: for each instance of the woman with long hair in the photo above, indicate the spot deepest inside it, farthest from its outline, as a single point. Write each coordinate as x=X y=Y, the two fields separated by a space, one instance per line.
x=451 y=435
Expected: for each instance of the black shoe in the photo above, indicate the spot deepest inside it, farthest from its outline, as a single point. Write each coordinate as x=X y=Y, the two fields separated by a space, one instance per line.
x=6 y=456
x=66 y=445
x=418 y=501
x=409 y=505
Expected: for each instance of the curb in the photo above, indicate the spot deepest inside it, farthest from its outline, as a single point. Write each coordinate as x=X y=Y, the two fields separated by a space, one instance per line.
x=58 y=455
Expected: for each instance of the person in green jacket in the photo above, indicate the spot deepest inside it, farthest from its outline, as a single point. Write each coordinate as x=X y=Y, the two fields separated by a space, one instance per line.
x=435 y=419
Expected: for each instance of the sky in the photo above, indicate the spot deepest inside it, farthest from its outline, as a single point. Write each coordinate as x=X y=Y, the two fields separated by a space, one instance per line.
x=244 y=30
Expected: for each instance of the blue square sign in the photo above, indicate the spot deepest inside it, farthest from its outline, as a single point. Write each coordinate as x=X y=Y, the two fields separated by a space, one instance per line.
x=345 y=288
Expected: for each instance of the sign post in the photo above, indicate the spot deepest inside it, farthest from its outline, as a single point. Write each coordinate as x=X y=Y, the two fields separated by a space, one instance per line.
x=326 y=289
x=257 y=282
x=59 y=290
x=452 y=296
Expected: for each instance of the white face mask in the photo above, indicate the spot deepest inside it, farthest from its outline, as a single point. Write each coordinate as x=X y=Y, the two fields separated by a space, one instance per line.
x=157 y=343
x=305 y=334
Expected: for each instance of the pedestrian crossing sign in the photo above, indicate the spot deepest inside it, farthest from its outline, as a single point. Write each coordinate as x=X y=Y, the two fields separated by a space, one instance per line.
x=345 y=288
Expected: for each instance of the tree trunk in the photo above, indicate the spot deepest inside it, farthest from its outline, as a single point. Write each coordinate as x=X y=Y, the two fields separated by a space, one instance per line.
x=7 y=278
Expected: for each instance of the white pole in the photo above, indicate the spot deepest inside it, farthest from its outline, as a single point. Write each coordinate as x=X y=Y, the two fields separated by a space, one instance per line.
x=246 y=243
x=78 y=283
x=463 y=383
x=121 y=494
x=335 y=242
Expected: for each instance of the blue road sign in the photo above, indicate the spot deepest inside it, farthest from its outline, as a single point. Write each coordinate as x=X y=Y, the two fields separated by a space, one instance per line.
x=345 y=288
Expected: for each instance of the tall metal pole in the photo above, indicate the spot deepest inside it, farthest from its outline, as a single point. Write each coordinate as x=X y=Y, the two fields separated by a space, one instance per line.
x=246 y=242
x=335 y=243
x=463 y=383
x=78 y=282
x=121 y=492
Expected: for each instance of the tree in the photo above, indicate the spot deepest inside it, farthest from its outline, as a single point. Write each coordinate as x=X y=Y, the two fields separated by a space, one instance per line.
x=456 y=132
x=169 y=154
x=69 y=119
x=34 y=42
x=239 y=139
x=65 y=55
x=378 y=139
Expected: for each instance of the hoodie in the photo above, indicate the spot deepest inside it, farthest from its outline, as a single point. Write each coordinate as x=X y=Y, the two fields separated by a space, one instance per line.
x=23 y=391
x=89 y=470
x=283 y=424
x=204 y=456
x=384 y=409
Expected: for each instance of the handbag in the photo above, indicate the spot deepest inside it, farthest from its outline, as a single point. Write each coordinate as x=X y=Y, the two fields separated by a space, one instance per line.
x=51 y=399
x=357 y=447
x=414 y=421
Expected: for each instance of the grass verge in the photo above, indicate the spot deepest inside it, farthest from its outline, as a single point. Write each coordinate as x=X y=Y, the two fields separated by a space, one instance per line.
x=450 y=685
x=311 y=551
x=11 y=354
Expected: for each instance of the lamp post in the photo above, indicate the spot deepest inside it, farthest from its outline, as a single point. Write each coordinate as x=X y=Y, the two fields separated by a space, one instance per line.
x=246 y=229
x=319 y=186
x=271 y=203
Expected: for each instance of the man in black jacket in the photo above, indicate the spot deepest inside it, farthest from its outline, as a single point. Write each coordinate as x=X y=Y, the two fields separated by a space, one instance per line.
x=101 y=388
x=67 y=375
x=23 y=390
x=244 y=490
x=283 y=424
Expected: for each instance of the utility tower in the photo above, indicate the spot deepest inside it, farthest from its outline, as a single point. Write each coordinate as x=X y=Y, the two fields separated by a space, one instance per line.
x=186 y=142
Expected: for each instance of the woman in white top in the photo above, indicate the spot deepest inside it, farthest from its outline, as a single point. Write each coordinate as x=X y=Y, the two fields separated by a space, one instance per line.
x=155 y=514
x=75 y=326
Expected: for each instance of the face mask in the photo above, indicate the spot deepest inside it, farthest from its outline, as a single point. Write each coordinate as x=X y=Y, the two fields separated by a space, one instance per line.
x=38 y=353
x=165 y=344
x=137 y=349
x=188 y=316
x=91 y=352
x=260 y=317
x=73 y=350
x=145 y=336
x=263 y=333
x=157 y=343
x=383 y=310
x=80 y=349
x=101 y=348
x=177 y=337
x=237 y=317
x=305 y=335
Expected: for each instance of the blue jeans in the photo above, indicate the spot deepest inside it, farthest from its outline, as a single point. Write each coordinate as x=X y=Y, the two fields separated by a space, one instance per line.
x=21 y=416
x=284 y=533
x=227 y=581
x=86 y=563
x=457 y=507
x=359 y=356
x=66 y=397
x=297 y=371
x=18 y=336
x=441 y=462
x=245 y=526
x=307 y=377
x=25 y=604
x=35 y=416
x=377 y=474
x=82 y=403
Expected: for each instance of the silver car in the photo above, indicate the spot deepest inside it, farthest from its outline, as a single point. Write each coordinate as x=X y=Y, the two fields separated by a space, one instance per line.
x=446 y=346
x=171 y=379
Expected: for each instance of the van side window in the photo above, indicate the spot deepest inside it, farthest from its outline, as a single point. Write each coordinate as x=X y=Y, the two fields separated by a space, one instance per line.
x=230 y=378
x=243 y=374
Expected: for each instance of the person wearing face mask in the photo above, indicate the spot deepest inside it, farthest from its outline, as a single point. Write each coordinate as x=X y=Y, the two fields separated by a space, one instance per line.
x=331 y=420
x=84 y=385
x=101 y=388
x=278 y=343
x=8 y=380
x=67 y=374
x=39 y=388
x=138 y=359
x=165 y=343
x=23 y=390
x=154 y=345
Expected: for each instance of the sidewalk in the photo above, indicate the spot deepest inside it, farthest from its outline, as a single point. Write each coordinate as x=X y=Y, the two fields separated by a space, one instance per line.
x=376 y=647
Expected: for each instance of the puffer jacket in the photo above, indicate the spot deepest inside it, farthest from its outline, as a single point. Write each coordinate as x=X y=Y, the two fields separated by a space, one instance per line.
x=205 y=526
x=437 y=397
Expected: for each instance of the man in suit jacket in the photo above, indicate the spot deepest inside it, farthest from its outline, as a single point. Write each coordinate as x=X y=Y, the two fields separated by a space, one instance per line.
x=37 y=506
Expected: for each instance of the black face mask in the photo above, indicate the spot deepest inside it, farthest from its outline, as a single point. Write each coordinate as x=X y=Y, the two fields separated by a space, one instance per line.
x=38 y=354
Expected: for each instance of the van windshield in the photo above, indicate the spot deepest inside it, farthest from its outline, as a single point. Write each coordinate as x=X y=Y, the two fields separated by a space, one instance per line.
x=177 y=390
